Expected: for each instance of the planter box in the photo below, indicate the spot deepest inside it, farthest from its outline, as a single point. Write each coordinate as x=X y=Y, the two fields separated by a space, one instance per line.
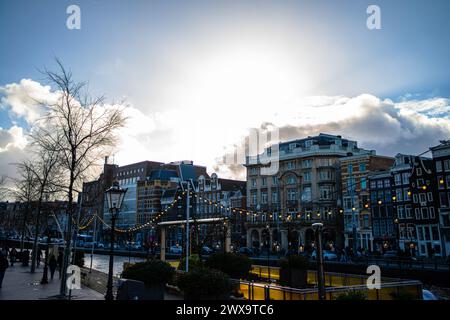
x=294 y=278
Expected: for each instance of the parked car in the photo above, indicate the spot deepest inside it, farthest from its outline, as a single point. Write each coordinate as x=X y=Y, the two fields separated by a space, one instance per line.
x=428 y=295
x=176 y=249
x=207 y=250
x=327 y=255
x=246 y=251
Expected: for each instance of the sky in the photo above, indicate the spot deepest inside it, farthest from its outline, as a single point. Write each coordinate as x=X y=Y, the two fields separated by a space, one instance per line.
x=198 y=75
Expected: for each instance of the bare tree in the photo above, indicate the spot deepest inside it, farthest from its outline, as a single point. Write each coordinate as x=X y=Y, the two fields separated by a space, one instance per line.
x=24 y=190
x=47 y=175
x=82 y=130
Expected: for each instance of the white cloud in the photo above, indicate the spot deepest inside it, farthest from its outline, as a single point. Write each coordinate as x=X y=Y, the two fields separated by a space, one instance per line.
x=203 y=129
x=24 y=98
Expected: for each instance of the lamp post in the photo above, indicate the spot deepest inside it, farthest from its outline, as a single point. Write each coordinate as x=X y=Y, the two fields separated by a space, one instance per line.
x=114 y=196
x=319 y=256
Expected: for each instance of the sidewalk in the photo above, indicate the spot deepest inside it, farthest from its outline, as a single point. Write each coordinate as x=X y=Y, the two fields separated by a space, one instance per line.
x=20 y=284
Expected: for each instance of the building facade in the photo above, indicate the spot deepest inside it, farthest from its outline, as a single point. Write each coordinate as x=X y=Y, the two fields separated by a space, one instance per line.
x=441 y=168
x=305 y=189
x=355 y=171
x=384 y=224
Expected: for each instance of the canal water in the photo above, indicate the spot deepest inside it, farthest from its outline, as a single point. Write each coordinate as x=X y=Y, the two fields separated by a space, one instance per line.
x=101 y=262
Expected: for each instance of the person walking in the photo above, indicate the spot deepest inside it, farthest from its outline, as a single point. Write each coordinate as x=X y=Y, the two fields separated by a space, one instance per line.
x=25 y=258
x=52 y=264
x=12 y=256
x=60 y=263
x=3 y=266
x=38 y=257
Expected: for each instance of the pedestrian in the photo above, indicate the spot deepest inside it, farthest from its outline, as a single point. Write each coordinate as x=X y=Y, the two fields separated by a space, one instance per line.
x=38 y=257
x=3 y=266
x=60 y=263
x=52 y=264
x=25 y=258
x=13 y=256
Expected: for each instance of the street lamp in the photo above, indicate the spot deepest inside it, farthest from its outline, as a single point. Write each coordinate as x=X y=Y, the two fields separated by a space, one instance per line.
x=114 y=197
x=319 y=256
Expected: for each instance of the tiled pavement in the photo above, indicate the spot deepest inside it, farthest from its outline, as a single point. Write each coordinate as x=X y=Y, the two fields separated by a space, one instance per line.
x=20 y=284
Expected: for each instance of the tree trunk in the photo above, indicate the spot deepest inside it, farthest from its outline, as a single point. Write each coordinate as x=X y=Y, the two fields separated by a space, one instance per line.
x=36 y=236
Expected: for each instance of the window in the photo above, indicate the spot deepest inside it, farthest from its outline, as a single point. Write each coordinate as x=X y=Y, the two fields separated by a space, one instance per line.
x=254 y=199
x=275 y=181
x=264 y=181
x=306 y=194
x=362 y=167
x=264 y=197
x=408 y=211
x=406 y=195
x=419 y=171
x=400 y=212
x=290 y=165
x=380 y=184
x=292 y=146
x=398 y=179
x=438 y=166
x=440 y=182
x=417 y=213
x=405 y=177
x=291 y=180
x=422 y=199
x=364 y=183
x=387 y=183
x=373 y=184
x=325 y=193
x=253 y=182
x=430 y=196
x=448 y=181
x=415 y=198
x=424 y=213
x=398 y=194
x=420 y=183
x=274 y=197
x=435 y=233
x=307 y=176
x=325 y=174
x=291 y=194
x=350 y=168
x=366 y=221
x=447 y=165
x=307 y=163
x=254 y=171
x=432 y=215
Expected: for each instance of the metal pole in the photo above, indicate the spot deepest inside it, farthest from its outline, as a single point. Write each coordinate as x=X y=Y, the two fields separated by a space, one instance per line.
x=187 y=228
x=93 y=242
x=109 y=290
x=320 y=272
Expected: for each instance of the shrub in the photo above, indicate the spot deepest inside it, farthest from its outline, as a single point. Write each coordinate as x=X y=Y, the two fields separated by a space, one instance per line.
x=194 y=262
x=295 y=261
x=152 y=272
x=205 y=283
x=352 y=295
x=235 y=265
